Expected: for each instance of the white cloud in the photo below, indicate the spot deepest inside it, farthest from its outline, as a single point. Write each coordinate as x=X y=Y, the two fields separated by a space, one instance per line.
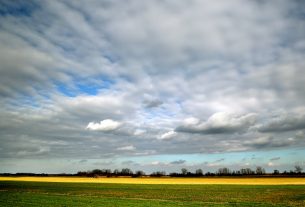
x=168 y=135
x=105 y=125
x=155 y=163
x=223 y=119
x=221 y=122
x=126 y=148
x=191 y=121
x=300 y=134
x=138 y=132
x=261 y=141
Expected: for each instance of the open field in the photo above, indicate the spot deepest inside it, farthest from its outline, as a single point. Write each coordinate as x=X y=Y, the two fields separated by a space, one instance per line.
x=33 y=194
x=127 y=180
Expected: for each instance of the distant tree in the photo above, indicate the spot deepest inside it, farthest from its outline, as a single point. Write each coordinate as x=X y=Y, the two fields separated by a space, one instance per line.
x=82 y=173
x=116 y=172
x=246 y=171
x=298 y=169
x=223 y=171
x=139 y=173
x=210 y=174
x=126 y=172
x=106 y=172
x=96 y=172
x=184 y=171
x=199 y=172
x=174 y=174
x=158 y=174
x=260 y=171
x=276 y=172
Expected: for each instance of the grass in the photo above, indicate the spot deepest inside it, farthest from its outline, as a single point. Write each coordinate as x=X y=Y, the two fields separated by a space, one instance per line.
x=13 y=193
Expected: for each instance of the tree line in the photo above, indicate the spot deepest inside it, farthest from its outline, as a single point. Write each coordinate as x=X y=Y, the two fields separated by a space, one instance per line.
x=258 y=171
x=298 y=170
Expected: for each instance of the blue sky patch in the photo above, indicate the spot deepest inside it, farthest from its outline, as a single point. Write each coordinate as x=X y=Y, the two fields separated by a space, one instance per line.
x=17 y=8
x=80 y=86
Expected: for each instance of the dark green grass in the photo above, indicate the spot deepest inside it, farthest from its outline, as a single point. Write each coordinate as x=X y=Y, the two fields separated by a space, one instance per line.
x=92 y=194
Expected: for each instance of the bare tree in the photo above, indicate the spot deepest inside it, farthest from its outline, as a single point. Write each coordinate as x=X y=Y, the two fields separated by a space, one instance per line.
x=139 y=173
x=298 y=169
x=158 y=174
x=199 y=172
x=116 y=172
x=246 y=171
x=126 y=171
x=276 y=172
x=260 y=171
x=184 y=171
x=223 y=171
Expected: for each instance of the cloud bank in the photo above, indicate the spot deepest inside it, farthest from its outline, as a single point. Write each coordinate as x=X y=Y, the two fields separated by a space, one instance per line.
x=106 y=79
x=218 y=123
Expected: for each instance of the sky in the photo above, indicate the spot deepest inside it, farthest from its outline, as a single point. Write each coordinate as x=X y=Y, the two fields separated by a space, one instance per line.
x=151 y=85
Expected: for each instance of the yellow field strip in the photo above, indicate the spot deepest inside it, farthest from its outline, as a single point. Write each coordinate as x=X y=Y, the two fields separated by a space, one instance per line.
x=236 y=181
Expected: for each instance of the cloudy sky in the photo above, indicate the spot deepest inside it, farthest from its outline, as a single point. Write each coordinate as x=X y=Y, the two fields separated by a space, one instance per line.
x=151 y=85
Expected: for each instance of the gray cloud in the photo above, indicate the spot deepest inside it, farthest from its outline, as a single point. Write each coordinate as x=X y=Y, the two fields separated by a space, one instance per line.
x=220 y=160
x=269 y=142
x=214 y=163
x=275 y=158
x=284 y=123
x=128 y=162
x=103 y=163
x=178 y=162
x=152 y=103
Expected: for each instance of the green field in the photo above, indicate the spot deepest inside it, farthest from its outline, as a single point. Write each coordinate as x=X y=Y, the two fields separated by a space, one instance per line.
x=95 y=194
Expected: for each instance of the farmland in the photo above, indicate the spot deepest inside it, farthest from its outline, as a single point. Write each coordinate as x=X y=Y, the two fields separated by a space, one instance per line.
x=168 y=180
x=29 y=193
